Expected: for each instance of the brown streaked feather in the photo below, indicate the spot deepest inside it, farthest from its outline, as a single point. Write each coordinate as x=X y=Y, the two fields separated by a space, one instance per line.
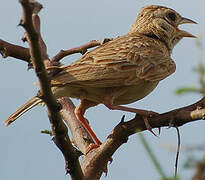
x=120 y=62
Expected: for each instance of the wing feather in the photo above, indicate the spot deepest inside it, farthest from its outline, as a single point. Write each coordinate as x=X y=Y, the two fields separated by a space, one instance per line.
x=120 y=62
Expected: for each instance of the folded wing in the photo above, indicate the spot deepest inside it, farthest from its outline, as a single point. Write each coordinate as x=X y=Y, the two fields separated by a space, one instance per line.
x=123 y=61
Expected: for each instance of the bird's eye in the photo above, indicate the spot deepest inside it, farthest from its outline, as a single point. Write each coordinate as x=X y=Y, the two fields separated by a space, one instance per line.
x=172 y=16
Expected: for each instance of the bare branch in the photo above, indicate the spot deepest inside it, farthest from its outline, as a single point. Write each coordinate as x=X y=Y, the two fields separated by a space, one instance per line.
x=59 y=129
x=19 y=52
x=95 y=162
x=80 y=49
x=100 y=156
x=12 y=50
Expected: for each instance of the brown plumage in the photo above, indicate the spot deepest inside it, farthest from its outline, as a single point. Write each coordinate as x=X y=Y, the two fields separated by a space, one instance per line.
x=123 y=70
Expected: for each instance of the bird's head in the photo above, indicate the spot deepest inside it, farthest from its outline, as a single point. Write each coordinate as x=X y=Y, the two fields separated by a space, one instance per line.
x=162 y=23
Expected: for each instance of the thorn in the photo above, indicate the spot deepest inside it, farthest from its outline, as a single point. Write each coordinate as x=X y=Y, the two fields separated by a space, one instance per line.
x=159 y=130
x=21 y=23
x=122 y=119
x=30 y=66
x=105 y=40
x=110 y=160
x=47 y=132
x=24 y=38
x=149 y=128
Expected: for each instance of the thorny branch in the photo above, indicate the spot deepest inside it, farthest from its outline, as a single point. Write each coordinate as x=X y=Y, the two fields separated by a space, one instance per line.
x=30 y=23
x=99 y=157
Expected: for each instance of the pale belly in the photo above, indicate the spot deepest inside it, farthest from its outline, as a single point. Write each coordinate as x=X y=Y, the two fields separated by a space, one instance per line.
x=135 y=93
x=123 y=95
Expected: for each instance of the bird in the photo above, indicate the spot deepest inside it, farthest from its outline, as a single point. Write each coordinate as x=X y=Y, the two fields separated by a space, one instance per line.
x=121 y=71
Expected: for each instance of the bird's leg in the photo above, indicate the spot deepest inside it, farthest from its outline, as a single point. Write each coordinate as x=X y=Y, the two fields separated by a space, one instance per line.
x=79 y=112
x=128 y=109
x=145 y=114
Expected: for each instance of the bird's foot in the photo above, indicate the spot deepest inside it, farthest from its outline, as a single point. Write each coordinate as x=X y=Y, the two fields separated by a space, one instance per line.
x=144 y=113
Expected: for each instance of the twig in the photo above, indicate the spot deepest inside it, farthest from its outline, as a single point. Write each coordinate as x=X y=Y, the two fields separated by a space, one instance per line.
x=59 y=129
x=80 y=49
x=22 y=53
x=177 y=153
x=12 y=50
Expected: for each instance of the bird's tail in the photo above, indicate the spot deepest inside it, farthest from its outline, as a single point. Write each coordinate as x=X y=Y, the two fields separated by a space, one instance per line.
x=24 y=108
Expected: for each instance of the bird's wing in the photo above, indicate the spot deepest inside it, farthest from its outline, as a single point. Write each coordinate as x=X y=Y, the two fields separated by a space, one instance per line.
x=120 y=62
x=152 y=63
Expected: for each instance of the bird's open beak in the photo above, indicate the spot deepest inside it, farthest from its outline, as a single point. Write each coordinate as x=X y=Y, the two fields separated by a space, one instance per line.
x=184 y=33
x=187 y=21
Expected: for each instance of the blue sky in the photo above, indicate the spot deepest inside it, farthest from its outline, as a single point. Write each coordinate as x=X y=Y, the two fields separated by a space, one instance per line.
x=26 y=153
